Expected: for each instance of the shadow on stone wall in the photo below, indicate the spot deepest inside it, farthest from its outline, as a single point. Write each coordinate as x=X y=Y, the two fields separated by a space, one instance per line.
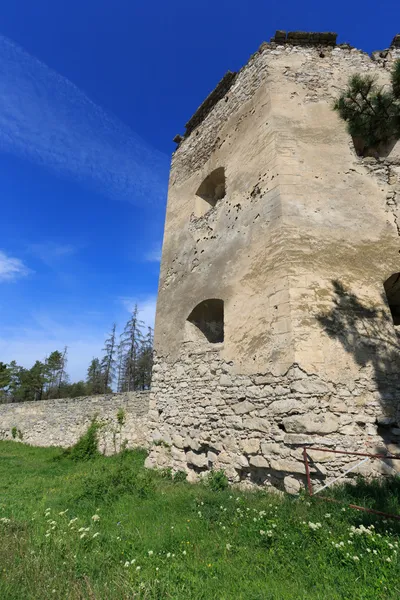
x=369 y=335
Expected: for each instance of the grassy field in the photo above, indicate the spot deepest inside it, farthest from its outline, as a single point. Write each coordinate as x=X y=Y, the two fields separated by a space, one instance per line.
x=109 y=529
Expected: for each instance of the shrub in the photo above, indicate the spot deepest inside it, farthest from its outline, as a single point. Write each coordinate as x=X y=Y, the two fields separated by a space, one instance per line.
x=108 y=485
x=216 y=481
x=179 y=476
x=14 y=432
x=372 y=114
x=86 y=448
x=121 y=417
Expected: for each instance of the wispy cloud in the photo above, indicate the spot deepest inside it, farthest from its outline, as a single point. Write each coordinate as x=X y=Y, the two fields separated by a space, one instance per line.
x=50 y=252
x=154 y=255
x=46 y=119
x=146 y=306
x=11 y=268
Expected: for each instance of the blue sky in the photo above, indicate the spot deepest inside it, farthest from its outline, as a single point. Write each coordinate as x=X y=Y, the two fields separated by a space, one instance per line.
x=91 y=95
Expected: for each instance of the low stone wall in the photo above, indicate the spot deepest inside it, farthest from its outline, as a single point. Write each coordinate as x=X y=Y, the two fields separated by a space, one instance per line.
x=61 y=422
x=205 y=416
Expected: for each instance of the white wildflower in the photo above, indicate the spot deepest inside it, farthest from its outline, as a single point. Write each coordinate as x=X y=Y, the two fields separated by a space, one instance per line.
x=95 y=518
x=314 y=526
x=83 y=535
x=127 y=564
x=228 y=546
x=356 y=558
x=388 y=559
x=150 y=552
x=138 y=568
x=168 y=554
x=96 y=534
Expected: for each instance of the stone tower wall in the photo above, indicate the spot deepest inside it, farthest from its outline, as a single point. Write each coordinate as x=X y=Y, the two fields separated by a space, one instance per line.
x=298 y=250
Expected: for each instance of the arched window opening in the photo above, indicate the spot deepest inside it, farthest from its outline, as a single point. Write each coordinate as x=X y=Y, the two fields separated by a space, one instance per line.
x=392 y=289
x=210 y=191
x=208 y=318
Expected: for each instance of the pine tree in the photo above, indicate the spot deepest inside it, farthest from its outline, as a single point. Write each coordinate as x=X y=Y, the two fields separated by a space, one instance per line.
x=94 y=378
x=16 y=378
x=120 y=367
x=62 y=376
x=131 y=340
x=5 y=379
x=53 y=366
x=145 y=361
x=31 y=383
x=372 y=114
x=108 y=363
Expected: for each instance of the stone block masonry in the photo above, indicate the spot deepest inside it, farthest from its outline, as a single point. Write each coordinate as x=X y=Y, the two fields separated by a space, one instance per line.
x=254 y=427
x=61 y=422
x=294 y=260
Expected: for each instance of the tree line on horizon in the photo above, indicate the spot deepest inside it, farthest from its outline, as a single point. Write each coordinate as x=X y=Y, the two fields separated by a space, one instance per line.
x=124 y=366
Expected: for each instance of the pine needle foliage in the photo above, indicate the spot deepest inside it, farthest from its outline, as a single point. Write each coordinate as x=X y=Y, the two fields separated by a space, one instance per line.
x=372 y=113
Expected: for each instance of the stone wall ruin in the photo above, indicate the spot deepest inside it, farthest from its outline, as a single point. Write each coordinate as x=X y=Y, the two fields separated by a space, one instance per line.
x=299 y=250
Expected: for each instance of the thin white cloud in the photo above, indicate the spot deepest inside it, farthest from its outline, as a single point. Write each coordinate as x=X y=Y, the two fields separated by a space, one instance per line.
x=11 y=268
x=46 y=119
x=51 y=252
x=146 y=306
x=154 y=255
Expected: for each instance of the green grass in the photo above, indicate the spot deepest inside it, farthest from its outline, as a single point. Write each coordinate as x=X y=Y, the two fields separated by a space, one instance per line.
x=160 y=539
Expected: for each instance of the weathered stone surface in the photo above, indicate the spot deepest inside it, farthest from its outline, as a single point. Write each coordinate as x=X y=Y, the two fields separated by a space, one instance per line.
x=319 y=456
x=309 y=386
x=289 y=466
x=251 y=446
x=212 y=456
x=255 y=424
x=268 y=448
x=198 y=460
x=241 y=462
x=243 y=407
x=284 y=407
x=292 y=485
x=259 y=461
x=310 y=423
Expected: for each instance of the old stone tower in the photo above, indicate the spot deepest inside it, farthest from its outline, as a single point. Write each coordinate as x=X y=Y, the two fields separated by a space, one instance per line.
x=279 y=291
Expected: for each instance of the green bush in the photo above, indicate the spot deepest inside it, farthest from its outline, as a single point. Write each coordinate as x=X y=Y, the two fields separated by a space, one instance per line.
x=179 y=476
x=216 y=481
x=14 y=432
x=121 y=417
x=86 y=448
x=108 y=485
x=371 y=112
